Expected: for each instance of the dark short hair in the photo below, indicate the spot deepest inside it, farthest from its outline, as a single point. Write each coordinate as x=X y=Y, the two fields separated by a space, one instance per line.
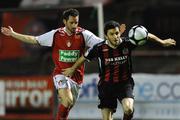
x=110 y=25
x=70 y=12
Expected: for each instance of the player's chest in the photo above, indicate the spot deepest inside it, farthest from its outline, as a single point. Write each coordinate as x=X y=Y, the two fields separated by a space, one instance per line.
x=115 y=56
x=68 y=42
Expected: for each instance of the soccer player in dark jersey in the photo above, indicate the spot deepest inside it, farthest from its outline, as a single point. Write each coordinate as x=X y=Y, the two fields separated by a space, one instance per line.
x=115 y=70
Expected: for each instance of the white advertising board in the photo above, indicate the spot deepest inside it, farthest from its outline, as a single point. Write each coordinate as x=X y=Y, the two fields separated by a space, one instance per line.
x=156 y=97
x=2 y=100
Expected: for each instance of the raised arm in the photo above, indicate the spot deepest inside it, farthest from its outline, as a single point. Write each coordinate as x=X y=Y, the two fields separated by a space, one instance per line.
x=24 y=38
x=70 y=71
x=166 y=42
x=122 y=28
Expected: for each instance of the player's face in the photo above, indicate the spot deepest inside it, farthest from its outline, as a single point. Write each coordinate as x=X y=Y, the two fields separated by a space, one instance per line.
x=71 y=24
x=113 y=36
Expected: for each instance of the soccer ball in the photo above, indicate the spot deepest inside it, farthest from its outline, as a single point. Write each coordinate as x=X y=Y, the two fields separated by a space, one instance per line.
x=138 y=35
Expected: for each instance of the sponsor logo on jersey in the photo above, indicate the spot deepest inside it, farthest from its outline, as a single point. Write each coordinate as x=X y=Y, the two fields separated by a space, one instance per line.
x=68 y=55
x=116 y=60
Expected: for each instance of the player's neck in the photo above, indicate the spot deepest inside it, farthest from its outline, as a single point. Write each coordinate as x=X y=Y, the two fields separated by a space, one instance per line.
x=111 y=45
x=68 y=31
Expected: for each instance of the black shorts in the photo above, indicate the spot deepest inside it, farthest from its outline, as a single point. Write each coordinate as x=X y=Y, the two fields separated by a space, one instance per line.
x=110 y=93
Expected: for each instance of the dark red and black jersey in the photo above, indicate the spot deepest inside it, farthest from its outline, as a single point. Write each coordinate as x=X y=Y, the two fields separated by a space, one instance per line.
x=114 y=64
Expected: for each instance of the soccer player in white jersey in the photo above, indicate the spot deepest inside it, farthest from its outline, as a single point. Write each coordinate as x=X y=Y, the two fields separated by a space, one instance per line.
x=68 y=44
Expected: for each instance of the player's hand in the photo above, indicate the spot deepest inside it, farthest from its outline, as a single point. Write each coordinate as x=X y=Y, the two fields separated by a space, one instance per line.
x=68 y=72
x=169 y=42
x=122 y=28
x=7 y=31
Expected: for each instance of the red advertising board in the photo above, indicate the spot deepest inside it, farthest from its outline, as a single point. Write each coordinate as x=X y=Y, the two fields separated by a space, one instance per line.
x=28 y=97
x=9 y=47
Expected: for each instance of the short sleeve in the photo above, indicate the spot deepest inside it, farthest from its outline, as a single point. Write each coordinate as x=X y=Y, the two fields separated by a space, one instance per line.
x=46 y=39
x=90 y=38
x=91 y=53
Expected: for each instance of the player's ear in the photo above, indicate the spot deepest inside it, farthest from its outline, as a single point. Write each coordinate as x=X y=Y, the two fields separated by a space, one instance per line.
x=122 y=28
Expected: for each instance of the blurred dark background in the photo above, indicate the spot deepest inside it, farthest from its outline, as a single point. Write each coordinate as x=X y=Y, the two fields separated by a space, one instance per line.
x=34 y=17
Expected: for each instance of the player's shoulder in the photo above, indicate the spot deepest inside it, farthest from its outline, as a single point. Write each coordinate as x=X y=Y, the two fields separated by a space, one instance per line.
x=79 y=30
x=96 y=46
x=127 y=43
x=61 y=31
x=86 y=32
x=100 y=44
x=125 y=39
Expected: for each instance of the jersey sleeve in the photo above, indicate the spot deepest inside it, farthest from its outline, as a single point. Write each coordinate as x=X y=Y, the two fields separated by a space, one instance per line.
x=46 y=39
x=91 y=53
x=90 y=38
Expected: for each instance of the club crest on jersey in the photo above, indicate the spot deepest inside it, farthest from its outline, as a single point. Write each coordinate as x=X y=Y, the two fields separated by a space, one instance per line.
x=125 y=51
x=68 y=44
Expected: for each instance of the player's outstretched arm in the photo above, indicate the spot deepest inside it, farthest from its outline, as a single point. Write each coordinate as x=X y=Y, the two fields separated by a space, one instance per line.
x=24 y=38
x=166 y=42
x=70 y=71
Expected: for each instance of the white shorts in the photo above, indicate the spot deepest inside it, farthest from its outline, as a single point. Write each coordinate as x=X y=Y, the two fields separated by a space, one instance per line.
x=61 y=81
